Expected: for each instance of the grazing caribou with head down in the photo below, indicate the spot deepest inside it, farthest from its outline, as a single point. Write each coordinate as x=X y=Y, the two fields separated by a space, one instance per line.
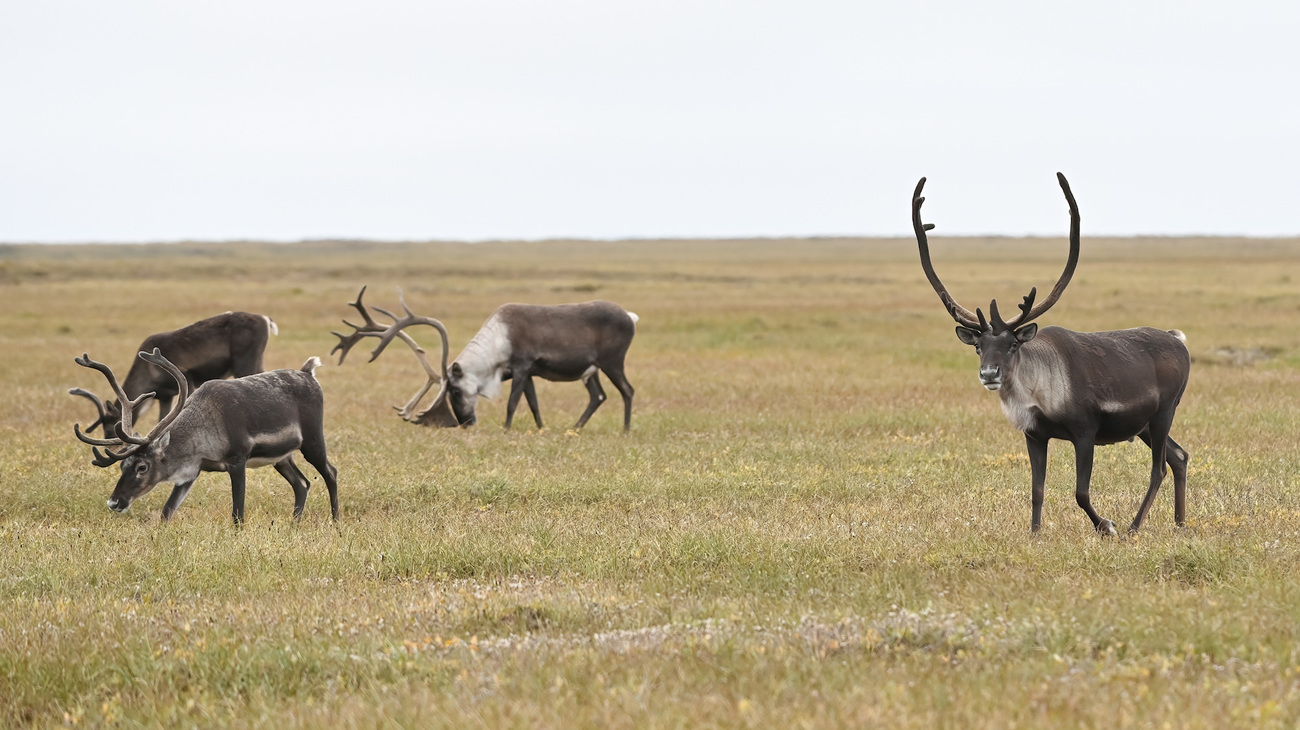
x=228 y=425
x=1088 y=388
x=562 y=342
x=227 y=345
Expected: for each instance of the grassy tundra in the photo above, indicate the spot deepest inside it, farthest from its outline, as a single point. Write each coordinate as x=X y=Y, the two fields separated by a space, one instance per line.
x=819 y=517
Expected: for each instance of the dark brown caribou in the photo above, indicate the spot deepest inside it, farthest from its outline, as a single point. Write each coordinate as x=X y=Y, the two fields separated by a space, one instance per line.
x=224 y=346
x=1088 y=388
x=562 y=342
x=227 y=425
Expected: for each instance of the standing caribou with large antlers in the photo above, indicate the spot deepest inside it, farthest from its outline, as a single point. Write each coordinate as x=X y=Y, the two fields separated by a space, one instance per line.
x=227 y=425
x=1088 y=388
x=563 y=342
x=230 y=344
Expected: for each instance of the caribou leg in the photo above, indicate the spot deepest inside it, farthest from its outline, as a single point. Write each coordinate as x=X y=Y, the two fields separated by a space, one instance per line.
x=179 y=492
x=597 y=394
x=619 y=379
x=1157 y=437
x=1083 y=450
x=1038 y=470
x=1177 y=459
x=237 y=483
x=530 y=393
x=516 y=390
x=313 y=450
x=297 y=480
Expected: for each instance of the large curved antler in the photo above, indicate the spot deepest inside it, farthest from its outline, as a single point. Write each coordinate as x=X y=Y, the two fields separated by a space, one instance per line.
x=964 y=316
x=125 y=435
x=371 y=328
x=108 y=457
x=183 y=394
x=1028 y=311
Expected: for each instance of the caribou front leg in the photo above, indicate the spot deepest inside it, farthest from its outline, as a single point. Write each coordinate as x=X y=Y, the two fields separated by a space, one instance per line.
x=1083 y=450
x=237 y=482
x=179 y=492
x=1038 y=468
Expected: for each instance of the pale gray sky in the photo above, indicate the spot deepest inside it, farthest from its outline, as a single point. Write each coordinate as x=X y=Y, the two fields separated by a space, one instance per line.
x=127 y=121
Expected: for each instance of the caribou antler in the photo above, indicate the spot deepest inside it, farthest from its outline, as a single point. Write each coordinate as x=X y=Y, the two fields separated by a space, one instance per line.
x=125 y=435
x=106 y=412
x=963 y=315
x=371 y=328
x=123 y=426
x=1028 y=311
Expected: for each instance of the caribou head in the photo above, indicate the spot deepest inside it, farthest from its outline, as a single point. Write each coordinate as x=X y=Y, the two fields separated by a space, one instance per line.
x=142 y=458
x=996 y=341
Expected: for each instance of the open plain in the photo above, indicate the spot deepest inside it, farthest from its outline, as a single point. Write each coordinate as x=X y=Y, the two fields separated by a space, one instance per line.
x=819 y=518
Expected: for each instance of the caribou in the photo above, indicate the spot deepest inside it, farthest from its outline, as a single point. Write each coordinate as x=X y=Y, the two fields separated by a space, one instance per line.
x=563 y=342
x=227 y=345
x=1088 y=388
x=227 y=425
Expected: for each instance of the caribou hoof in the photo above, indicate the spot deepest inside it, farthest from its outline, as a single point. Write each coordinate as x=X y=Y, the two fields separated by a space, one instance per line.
x=1107 y=528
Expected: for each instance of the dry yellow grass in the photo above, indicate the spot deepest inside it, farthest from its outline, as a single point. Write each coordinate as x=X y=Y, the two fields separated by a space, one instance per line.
x=819 y=518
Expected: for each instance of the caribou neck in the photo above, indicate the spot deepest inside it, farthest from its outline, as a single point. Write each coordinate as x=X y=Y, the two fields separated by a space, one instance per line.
x=487 y=356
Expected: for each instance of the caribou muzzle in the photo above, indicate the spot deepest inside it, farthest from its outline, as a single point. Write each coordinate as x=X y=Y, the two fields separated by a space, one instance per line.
x=118 y=505
x=991 y=377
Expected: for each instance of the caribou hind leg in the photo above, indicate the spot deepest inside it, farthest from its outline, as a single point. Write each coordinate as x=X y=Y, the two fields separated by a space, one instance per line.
x=297 y=480
x=313 y=450
x=1083 y=451
x=597 y=394
x=619 y=379
x=1176 y=458
x=530 y=395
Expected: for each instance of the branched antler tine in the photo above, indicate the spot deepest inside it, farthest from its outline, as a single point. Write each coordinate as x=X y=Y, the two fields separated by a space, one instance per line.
x=1025 y=307
x=995 y=318
x=371 y=328
x=76 y=428
x=983 y=325
x=962 y=315
x=370 y=323
x=128 y=405
x=103 y=419
x=103 y=459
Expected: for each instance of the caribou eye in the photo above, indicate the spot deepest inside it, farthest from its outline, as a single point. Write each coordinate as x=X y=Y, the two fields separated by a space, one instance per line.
x=141 y=468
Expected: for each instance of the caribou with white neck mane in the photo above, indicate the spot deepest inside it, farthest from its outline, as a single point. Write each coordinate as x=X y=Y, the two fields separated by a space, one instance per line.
x=562 y=342
x=1088 y=388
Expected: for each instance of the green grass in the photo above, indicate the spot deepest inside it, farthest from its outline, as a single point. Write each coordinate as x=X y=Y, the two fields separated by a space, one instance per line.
x=819 y=518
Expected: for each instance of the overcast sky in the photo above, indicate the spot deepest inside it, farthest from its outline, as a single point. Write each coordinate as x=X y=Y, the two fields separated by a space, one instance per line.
x=131 y=121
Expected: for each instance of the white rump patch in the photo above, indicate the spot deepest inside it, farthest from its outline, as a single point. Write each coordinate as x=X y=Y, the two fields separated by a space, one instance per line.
x=1179 y=334
x=311 y=365
x=635 y=318
x=270 y=325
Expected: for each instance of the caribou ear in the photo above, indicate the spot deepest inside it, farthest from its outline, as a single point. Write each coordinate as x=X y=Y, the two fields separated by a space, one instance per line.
x=457 y=371
x=1026 y=333
x=969 y=336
